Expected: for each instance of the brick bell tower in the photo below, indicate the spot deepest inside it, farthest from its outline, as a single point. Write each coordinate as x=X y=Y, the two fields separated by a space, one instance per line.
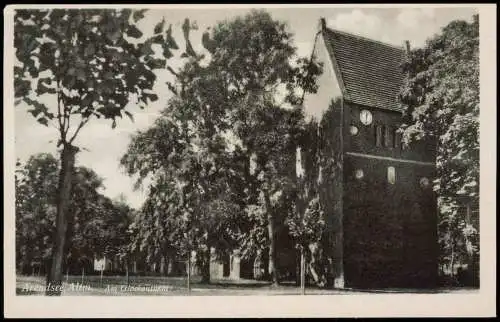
x=382 y=211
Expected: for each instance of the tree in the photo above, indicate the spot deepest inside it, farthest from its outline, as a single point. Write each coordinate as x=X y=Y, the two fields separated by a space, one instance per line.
x=261 y=80
x=84 y=226
x=98 y=226
x=187 y=208
x=274 y=169
x=122 y=230
x=306 y=222
x=441 y=101
x=224 y=120
x=314 y=220
x=306 y=226
x=35 y=210
x=90 y=63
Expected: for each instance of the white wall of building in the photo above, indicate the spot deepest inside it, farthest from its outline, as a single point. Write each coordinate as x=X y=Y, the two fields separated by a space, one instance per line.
x=328 y=86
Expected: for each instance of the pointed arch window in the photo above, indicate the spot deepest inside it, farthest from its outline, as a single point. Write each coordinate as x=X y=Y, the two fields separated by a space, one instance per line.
x=378 y=135
x=388 y=137
x=397 y=139
x=391 y=175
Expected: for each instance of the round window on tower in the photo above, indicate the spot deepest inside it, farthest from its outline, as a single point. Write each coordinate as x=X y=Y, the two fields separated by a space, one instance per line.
x=359 y=174
x=353 y=130
x=424 y=182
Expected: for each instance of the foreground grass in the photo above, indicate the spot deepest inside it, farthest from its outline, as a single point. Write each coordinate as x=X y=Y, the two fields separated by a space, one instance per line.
x=176 y=286
x=151 y=285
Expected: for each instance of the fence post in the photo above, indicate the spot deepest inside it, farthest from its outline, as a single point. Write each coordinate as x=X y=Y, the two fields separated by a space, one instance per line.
x=189 y=273
x=302 y=272
x=126 y=270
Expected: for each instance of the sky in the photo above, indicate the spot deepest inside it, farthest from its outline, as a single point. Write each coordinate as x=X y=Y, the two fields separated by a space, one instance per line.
x=104 y=146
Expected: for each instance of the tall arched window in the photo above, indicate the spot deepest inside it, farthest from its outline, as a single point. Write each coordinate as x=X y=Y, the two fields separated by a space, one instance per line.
x=397 y=138
x=387 y=136
x=391 y=175
x=378 y=135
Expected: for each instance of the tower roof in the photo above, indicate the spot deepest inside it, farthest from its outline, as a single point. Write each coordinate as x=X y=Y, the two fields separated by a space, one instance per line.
x=369 y=70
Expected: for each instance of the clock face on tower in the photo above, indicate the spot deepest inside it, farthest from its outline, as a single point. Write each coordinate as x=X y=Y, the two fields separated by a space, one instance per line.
x=365 y=117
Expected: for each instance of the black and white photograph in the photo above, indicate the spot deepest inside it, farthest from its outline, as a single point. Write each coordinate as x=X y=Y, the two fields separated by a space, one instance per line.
x=247 y=152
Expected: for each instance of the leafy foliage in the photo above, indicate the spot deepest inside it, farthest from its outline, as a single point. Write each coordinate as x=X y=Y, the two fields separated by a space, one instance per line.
x=256 y=56
x=98 y=227
x=91 y=60
x=225 y=141
x=317 y=169
x=441 y=101
x=35 y=208
x=188 y=207
x=91 y=63
x=308 y=227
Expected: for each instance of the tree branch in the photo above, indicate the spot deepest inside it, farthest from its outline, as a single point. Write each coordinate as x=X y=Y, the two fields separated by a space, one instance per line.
x=53 y=125
x=60 y=118
x=66 y=116
x=82 y=123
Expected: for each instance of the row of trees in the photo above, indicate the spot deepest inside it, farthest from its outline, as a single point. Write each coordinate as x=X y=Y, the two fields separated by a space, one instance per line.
x=221 y=159
x=223 y=153
x=89 y=64
x=99 y=226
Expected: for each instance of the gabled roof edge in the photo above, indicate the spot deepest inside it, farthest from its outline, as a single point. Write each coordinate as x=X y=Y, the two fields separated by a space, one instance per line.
x=333 y=60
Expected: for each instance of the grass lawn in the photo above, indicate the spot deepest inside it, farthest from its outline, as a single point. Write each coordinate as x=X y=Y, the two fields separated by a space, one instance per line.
x=176 y=286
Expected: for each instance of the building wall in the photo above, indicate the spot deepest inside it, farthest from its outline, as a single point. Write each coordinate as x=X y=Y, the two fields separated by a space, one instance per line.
x=390 y=229
x=365 y=140
x=226 y=267
x=328 y=85
x=216 y=269
x=325 y=107
x=332 y=188
x=103 y=263
x=379 y=234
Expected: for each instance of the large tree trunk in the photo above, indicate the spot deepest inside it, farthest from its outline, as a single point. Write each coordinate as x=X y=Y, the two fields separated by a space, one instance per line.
x=271 y=228
x=54 y=279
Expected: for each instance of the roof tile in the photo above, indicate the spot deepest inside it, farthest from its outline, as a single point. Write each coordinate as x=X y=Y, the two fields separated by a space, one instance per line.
x=370 y=70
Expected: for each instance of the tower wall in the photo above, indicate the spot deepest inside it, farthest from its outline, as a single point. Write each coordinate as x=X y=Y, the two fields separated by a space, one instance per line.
x=390 y=219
